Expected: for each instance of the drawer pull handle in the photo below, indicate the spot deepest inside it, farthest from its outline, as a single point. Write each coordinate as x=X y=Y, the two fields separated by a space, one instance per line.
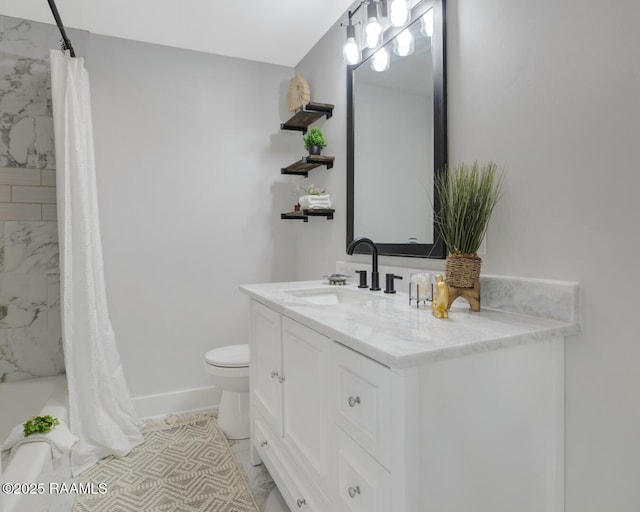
x=263 y=443
x=353 y=401
x=353 y=491
x=300 y=502
x=274 y=374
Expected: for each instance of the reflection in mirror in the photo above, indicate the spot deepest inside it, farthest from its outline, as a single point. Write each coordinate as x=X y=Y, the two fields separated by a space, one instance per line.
x=397 y=137
x=394 y=145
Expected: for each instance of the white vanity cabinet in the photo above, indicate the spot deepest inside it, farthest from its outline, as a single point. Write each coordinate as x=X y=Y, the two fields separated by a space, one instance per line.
x=381 y=408
x=322 y=418
x=289 y=386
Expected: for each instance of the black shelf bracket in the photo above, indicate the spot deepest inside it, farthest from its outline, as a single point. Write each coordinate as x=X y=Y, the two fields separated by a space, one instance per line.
x=305 y=214
x=306 y=163
x=309 y=113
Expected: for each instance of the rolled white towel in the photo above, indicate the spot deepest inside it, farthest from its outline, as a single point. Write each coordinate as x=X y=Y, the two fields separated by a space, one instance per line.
x=304 y=201
x=59 y=438
x=318 y=201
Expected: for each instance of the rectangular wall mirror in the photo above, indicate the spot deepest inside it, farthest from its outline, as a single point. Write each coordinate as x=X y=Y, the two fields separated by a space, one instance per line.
x=397 y=138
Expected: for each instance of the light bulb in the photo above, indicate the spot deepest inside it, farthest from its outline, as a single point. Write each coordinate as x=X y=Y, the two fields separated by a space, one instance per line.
x=373 y=31
x=427 y=23
x=351 y=52
x=404 y=43
x=399 y=13
x=380 y=60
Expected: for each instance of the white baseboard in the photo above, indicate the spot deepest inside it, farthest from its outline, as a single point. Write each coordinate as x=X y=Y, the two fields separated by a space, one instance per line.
x=176 y=402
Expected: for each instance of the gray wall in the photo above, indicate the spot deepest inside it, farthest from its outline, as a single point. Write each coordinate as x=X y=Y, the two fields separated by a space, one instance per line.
x=551 y=91
x=188 y=153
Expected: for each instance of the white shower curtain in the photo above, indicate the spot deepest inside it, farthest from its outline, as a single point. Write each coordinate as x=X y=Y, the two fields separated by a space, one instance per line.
x=101 y=413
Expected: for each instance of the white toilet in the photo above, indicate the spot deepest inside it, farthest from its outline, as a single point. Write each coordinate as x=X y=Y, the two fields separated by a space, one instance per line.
x=229 y=367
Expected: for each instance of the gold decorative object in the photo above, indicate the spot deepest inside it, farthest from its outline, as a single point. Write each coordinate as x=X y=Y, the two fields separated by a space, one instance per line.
x=440 y=304
x=299 y=93
x=471 y=294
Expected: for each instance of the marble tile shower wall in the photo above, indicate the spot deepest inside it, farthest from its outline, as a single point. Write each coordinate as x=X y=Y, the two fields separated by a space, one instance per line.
x=30 y=340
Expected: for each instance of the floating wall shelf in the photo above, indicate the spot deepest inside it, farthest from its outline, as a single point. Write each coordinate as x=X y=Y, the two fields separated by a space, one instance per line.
x=305 y=214
x=306 y=163
x=310 y=112
x=300 y=121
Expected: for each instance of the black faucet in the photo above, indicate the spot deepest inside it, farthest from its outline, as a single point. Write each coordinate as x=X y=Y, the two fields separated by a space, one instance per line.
x=375 y=277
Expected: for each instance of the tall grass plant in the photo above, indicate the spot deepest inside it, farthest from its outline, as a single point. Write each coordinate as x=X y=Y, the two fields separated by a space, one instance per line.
x=468 y=195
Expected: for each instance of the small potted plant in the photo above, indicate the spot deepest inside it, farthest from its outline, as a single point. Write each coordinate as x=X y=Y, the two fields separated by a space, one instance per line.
x=468 y=194
x=314 y=141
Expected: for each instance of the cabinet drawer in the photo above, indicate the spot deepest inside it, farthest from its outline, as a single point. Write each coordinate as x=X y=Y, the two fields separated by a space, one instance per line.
x=297 y=492
x=363 y=485
x=362 y=402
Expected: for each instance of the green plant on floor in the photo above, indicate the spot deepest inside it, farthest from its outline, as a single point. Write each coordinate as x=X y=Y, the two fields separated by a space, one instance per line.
x=39 y=425
x=314 y=137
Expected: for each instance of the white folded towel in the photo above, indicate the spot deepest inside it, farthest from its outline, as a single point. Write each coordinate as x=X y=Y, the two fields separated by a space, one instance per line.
x=320 y=197
x=315 y=202
x=319 y=202
x=59 y=438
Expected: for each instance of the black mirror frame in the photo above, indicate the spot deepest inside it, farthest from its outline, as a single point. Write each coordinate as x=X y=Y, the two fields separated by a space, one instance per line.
x=440 y=149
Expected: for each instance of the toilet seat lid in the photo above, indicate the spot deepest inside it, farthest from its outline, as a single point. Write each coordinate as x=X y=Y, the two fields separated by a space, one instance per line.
x=231 y=356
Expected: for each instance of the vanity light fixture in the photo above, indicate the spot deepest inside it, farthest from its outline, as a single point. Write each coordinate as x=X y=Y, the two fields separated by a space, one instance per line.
x=403 y=43
x=373 y=29
x=351 y=51
x=380 y=60
x=399 y=13
x=379 y=15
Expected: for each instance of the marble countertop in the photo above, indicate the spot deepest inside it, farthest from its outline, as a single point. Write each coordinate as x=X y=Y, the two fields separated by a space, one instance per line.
x=385 y=328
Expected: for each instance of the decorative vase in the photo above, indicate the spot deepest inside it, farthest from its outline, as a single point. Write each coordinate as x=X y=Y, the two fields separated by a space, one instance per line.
x=463 y=270
x=463 y=278
x=315 y=150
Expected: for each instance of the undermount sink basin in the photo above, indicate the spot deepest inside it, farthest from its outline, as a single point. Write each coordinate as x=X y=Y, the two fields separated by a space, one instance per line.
x=325 y=296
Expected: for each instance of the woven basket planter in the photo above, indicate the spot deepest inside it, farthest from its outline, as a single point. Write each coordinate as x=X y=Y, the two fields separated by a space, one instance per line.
x=463 y=271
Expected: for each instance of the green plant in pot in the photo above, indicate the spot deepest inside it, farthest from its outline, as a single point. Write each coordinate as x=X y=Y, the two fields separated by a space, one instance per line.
x=468 y=195
x=314 y=141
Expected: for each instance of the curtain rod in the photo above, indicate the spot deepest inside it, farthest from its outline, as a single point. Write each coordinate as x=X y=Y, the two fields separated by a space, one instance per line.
x=66 y=43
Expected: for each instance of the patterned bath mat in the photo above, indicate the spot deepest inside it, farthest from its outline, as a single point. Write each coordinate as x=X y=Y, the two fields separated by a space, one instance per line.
x=185 y=464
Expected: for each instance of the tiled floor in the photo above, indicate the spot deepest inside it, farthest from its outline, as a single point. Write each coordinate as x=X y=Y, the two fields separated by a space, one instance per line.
x=266 y=494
